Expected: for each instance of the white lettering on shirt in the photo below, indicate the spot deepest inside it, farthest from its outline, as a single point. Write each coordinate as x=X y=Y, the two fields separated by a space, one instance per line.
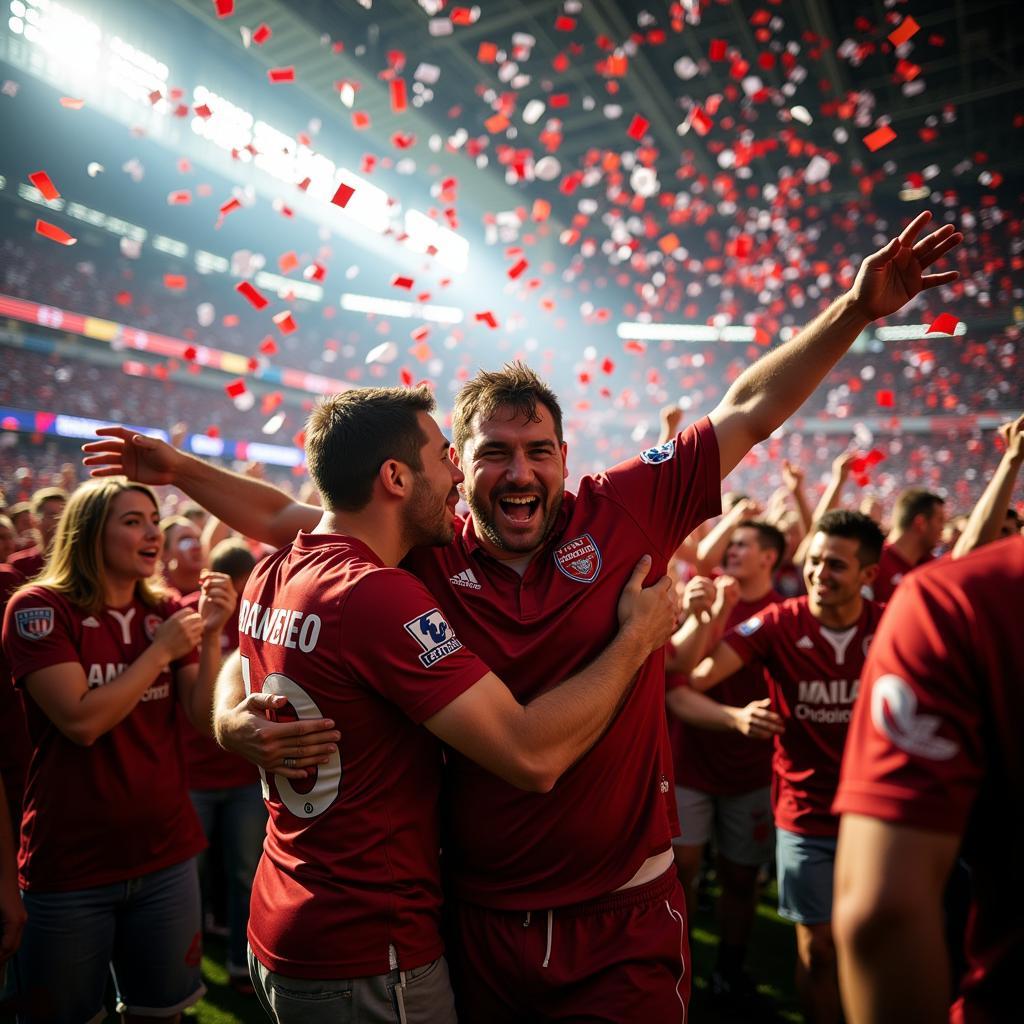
x=279 y=626
x=125 y=620
x=839 y=641
x=102 y=673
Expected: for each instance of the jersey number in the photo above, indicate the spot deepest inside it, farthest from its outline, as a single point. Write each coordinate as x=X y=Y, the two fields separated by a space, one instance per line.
x=328 y=776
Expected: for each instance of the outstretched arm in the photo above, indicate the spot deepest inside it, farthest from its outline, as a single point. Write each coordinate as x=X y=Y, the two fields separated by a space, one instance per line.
x=990 y=512
x=828 y=501
x=252 y=507
x=755 y=720
x=766 y=394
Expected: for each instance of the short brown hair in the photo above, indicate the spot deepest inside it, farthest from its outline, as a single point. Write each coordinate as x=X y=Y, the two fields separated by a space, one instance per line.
x=914 y=502
x=167 y=525
x=45 y=494
x=769 y=538
x=349 y=436
x=232 y=557
x=514 y=386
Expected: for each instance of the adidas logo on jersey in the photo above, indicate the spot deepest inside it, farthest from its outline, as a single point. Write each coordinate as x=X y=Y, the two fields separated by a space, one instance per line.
x=805 y=643
x=466 y=579
x=90 y=622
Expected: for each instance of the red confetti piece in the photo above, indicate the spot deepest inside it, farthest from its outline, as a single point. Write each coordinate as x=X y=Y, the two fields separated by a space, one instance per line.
x=123 y=298
x=563 y=23
x=42 y=181
x=879 y=138
x=212 y=431
x=699 y=121
x=268 y=346
x=182 y=197
x=399 y=100
x=487 y=53
x=496 y=123
x=71 y=103
x=262 y=34
x=224 y=7
x=885 y=399
x=558 y=100
x=420 y=334
x=315 y=272
x=906 y=28
x=285 y=322
x=638 y=127
x=175 y=282
x=281 y=74
x=287 y=262
x=402 y=282
x=203 y=111
x=462 y=16
x=155 y=97
x=488 y=318
x=235 y=388
x=360 y=120
x=190 y=353
x=607 y=366
x=343 y=195
x=517 y=269
x=716 y=51
x=944 y=323
x=299 y=440
x=54 y=233
x=403 y=140
x=255 y=297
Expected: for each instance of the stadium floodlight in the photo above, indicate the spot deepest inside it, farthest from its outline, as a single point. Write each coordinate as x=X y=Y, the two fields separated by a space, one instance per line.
x=452 y=250
x=683 y=332
x=282 y=286
x=169 y=245
x=913 y=332
x=67 y=36
x=399 y=308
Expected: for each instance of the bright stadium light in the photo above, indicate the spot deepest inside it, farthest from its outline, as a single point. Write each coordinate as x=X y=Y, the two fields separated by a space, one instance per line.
x=683 y=332
x=68 y=37
x=398 y=308
x=452 y=250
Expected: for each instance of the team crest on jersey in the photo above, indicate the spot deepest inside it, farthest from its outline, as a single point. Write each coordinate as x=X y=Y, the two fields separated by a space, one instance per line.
x=751 y=626
x=432 y=632
x=151 y=623
x=659 y=453
x=34 y=623
x=579 y=559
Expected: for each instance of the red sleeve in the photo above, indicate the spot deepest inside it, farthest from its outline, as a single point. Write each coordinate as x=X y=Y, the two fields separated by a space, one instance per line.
x=672 y=488
x=914 y=753
x=39 y=631
x=753 y=638
x=398 y=640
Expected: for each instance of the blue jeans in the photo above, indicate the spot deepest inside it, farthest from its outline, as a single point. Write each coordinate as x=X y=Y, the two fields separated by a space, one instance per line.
x=805 y=865
x=147 y=928
x=239 y=816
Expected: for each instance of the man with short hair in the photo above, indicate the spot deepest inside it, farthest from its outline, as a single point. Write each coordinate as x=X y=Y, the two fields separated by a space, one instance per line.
x=934 y=771
x=917 y=523
x=47 y=508
x=182 y=554
x=723 y=781
x=347 y=895
x=582 y=882
x=812 y=649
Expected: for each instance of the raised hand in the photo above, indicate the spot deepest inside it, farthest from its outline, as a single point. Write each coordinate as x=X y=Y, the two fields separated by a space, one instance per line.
x=180 y=633
x=1012 y=434
x=653 y=610
x=792 y=476
x=890 y=278
x=123 y=452
x=217 y=600
x=757 y=722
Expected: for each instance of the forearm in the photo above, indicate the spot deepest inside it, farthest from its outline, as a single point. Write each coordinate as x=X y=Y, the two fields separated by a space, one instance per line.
x=690 y=643
x=103 y=707
x=199 y=704
x=988 y=515
x=893 y=967
x=803 y=507
x=228 y=692
x=712 y=547
x=252 y=507
x=774 y=387
x=559 y=726
x=700 y=710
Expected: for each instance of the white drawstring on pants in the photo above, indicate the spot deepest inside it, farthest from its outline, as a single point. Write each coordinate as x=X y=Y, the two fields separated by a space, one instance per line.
x=551 y=928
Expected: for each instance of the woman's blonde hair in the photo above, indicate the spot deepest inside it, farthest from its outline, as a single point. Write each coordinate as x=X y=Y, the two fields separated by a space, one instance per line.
x=75 y=566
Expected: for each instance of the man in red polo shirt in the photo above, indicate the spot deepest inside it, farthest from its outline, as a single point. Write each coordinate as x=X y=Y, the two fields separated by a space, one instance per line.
x=724 y=780
x=531 y=582
x=812 y=649
x=934 y=770
x=918 y=519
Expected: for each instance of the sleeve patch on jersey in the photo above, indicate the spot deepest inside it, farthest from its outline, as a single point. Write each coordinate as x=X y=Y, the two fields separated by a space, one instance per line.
x=751 y=626
x=34 y=623
x=894 y=715
x=659 y=453
x=432 y=632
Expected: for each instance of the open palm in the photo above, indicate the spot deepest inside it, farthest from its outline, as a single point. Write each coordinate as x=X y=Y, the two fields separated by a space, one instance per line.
x=890 y=278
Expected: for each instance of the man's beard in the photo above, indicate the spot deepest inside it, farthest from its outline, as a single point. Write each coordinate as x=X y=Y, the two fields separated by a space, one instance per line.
x=422 y=523
x=484 y=524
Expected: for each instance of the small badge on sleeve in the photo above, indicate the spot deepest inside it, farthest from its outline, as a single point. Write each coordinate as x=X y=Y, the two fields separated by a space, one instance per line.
x=432 y=632
x=34 y=623
x=659 y=453
x=750 y=627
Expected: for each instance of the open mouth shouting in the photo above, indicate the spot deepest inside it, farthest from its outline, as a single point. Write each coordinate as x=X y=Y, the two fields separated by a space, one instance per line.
x=520 y=510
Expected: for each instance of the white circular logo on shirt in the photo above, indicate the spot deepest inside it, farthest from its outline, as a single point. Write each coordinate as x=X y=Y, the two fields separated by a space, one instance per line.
x=894 y=715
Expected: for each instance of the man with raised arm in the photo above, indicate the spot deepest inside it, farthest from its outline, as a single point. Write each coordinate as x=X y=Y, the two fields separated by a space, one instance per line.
x=345 y=914
x=531 y=583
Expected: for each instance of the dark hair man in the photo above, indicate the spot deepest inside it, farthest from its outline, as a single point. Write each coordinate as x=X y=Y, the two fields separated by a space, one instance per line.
x=812 y=649
x=917 y=523
x=47 y=507
x=531 y=581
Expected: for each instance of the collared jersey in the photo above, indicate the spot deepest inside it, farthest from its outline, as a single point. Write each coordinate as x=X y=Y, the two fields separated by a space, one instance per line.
x=813 y=677
x=725 y=763
x=615 y=807
x=350 y=863
x=118 y=809
x=935 y=744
